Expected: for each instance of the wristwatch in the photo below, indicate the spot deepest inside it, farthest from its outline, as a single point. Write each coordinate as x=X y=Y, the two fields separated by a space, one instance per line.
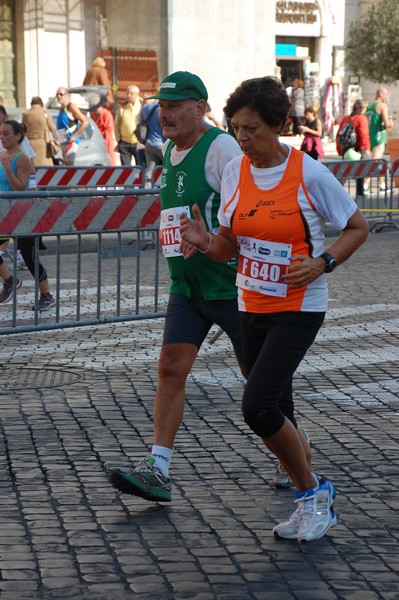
x=331 y=262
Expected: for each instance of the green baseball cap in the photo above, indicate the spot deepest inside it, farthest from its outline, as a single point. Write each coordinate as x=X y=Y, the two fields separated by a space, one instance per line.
x=182 y=85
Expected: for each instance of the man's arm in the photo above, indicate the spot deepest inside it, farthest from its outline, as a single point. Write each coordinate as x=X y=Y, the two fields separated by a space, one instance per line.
x=77 y=114
x=382 y=109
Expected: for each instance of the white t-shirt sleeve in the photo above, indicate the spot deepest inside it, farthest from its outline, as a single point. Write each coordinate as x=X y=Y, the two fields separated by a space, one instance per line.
x=329 y=197
x=222 y=150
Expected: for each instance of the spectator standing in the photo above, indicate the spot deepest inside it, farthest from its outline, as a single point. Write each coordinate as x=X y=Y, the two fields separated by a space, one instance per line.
x=155 y=138
x=97 y=74
x=281 y=277
x=297 y=111
x=105 y=123
x=127 y=118
x=362 y=147
x=379 y=122
x=313 y=132
x=38 y=123
x=70 y=124
x=202 y=292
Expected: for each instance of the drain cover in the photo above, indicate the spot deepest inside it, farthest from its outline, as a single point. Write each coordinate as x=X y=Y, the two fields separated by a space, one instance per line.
x=19 y=377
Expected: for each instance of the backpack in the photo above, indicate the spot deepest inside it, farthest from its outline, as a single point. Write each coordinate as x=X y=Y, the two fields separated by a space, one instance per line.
x=346 y=137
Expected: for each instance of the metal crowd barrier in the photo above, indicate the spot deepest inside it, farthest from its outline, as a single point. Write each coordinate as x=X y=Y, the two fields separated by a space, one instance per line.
x=104 y=268
x=374 y=205
x=101 y=270
x=394 y=193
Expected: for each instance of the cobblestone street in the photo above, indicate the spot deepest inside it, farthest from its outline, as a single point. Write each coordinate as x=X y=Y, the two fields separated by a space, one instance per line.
x=78 y=402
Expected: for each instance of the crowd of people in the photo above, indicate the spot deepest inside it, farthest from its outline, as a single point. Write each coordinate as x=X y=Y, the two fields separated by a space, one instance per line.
x=371 y=122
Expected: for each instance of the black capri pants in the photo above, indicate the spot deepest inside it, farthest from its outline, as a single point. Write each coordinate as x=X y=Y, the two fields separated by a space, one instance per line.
x=273 y=347
x=27 y=247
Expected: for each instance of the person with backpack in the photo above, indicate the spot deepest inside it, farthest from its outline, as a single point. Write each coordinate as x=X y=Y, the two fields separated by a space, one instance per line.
x=353 y=139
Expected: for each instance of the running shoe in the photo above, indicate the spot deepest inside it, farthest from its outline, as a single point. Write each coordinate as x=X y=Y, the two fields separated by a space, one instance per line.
x=281 y=478
x=46 y=301
x=145 y=481
x=289 y=529
x=8 y=291
x=313 y=517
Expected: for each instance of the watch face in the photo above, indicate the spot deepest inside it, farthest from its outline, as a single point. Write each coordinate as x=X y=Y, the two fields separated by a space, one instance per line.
x=330 y=261
x=331 y=265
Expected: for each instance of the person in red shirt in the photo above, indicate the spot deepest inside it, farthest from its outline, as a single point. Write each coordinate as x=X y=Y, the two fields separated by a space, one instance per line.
x=105 y=124
x=362 y=148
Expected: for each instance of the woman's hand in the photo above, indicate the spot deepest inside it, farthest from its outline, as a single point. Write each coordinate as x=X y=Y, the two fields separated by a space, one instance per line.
x=5 y=160
x=303 y=270
x=193 y=233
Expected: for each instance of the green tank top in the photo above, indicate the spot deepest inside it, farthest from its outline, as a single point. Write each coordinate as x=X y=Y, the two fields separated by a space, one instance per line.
x=185 y=185
x=377 y=135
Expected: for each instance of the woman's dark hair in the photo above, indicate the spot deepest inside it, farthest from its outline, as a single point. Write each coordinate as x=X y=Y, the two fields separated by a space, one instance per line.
x=310 y=109
x=16 y=127
x=265 y=95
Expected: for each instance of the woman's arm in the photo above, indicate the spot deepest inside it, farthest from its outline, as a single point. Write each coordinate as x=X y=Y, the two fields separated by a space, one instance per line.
x=316 y=132
x=304 y=269
x=18 y=181
x=221 y=247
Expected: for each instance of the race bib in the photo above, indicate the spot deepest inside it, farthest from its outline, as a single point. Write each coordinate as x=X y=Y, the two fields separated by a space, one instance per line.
x=169 y=230
x=61 y=136
x=262 y=266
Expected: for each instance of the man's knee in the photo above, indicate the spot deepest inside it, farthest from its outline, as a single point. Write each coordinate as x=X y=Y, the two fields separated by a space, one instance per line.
x=176 y=360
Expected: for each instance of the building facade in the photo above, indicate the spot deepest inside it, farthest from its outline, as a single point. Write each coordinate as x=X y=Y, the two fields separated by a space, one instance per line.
x=48 y=43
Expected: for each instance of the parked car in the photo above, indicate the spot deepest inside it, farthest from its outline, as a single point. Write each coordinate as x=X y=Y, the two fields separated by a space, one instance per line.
x=92 y=149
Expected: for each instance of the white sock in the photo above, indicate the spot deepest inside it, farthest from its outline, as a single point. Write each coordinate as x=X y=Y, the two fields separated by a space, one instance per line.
x=163 y=457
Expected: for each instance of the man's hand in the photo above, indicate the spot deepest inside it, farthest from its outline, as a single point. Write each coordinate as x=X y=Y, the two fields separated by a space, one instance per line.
x=193 y=233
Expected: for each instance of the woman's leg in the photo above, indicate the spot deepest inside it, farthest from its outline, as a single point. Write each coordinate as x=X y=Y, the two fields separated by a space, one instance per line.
x=267 y=402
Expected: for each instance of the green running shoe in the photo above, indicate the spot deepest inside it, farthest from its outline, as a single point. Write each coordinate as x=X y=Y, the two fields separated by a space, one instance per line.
x=145 y=481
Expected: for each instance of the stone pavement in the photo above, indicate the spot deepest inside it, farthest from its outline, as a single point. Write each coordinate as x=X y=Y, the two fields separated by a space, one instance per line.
x=78 y=402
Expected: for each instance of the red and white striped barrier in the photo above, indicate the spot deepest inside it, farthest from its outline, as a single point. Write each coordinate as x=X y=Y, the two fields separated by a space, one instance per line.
x=93 y=213
x=89 y=177
x=156 y=176
x=357 y=169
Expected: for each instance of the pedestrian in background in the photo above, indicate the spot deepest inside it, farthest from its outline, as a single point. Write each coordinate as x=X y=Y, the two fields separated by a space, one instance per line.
x=155 y=139
x=275 y=202
x=15 y=171
x=361 y=149
x=39 y=125
x=379 y=122
x=202 y=292
x=71 y=122
x=97 y=74
x=297 y=110
x=127 y=118
x=105 y=123
x=313 y=132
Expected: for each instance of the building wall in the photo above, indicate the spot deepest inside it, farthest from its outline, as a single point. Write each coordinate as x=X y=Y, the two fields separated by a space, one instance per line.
x=138 y=25
x=55 y=50
x=223 y=41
